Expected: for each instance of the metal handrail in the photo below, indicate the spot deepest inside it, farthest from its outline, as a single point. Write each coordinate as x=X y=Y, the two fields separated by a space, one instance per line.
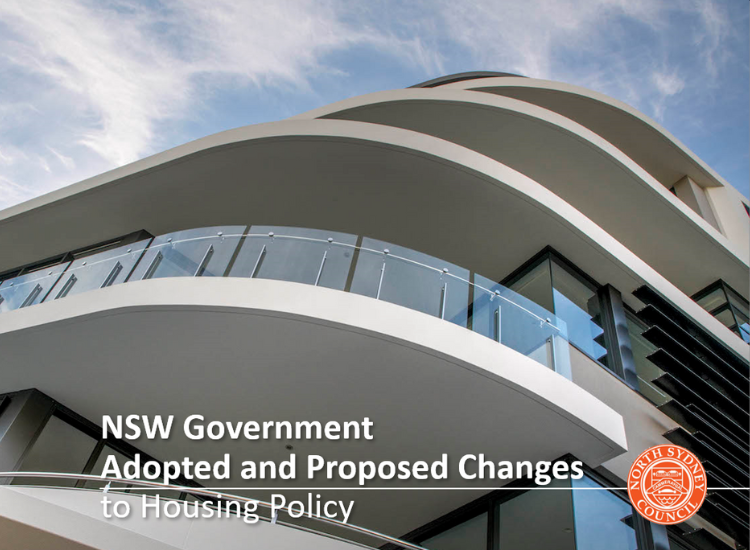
x=208 y=493
x=220 y=235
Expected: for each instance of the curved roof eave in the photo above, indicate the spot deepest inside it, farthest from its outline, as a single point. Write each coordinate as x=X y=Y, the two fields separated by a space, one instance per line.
x=157 y=191
x=555 y=120
x=461 y=77
x=709 y=176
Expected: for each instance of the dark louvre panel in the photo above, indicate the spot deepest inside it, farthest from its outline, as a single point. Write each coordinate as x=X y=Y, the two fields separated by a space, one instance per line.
x=713 y=361
x=708 y=384
x=649 y=296
x=703 y=539
x=686 y=396
x=711 y=392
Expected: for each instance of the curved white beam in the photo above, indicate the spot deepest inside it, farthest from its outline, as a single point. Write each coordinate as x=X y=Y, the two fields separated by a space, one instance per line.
x=350 y=176
x=640 y=137
x=237 y=302
x=488 y=124
x=268 y=350
x=706 y=175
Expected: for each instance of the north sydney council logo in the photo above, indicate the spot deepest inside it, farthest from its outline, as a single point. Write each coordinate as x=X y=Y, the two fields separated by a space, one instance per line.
x=667 y=484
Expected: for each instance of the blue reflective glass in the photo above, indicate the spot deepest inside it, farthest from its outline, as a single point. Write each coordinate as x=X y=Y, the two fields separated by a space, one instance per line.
x=601 y=518
x=552 y=286
x=582 y=330
x=576 y=303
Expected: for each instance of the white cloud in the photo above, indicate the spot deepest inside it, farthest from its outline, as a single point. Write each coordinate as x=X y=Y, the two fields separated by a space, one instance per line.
x=668 y=84
x=86 y=85
x=66 y=161
x=121 y=68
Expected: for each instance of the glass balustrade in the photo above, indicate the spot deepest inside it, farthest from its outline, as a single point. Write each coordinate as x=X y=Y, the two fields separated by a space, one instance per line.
x=377 y=269
x=98 y=271
x=30 y=288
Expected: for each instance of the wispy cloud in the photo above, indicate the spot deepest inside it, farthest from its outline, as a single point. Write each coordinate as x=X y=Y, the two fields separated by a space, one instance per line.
x=86 y=85
x=119 y=69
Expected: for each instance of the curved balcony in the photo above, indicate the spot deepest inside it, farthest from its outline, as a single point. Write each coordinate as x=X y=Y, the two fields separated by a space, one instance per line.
x=339 y=261
x=276 y=526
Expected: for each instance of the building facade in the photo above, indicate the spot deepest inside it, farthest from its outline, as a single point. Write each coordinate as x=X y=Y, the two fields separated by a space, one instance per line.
x=482 y=263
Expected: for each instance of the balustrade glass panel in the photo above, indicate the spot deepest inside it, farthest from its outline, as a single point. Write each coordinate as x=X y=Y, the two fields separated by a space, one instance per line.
x=519 y=323
x=29 y=289
x=572 y=300
x=296 y=255
x=98 y=271
x=202 y=252
x=413 y=280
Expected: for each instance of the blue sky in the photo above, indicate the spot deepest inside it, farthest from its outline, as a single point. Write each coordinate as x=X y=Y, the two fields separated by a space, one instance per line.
x=88 y=85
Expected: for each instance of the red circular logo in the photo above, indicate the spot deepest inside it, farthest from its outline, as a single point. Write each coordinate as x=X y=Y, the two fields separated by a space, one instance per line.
x=667 y=484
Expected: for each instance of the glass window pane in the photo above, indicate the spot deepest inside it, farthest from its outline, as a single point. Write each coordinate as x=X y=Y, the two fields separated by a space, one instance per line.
x=469 y=535
x=97 y=271
x=576 y=303
x=725 y=316
x=538 y=520
x=195 y=252
x=296 y=255
x=741 y=314
x=713 y=299
x=601 y=516
x=738 y=304
x=413 y=280
x=536 y=285
x=27 y=290
x=59 y=448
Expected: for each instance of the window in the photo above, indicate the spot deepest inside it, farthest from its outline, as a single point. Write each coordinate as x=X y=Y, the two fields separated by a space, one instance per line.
x=469 y=535
x=601 y=516
x=553 y=283
x=60 y=447
x=565 y=515
x=726 y=304
x=538 y=520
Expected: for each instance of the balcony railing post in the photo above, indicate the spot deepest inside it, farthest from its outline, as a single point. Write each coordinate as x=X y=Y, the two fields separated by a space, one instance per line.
x=498 y=326
x=382 y=274
x=320 y=270
x=204 y=262
x=256 y=267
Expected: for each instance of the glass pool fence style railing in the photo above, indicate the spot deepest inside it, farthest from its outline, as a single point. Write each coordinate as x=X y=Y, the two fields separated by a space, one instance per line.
x=230 y=505
x=380 y=270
